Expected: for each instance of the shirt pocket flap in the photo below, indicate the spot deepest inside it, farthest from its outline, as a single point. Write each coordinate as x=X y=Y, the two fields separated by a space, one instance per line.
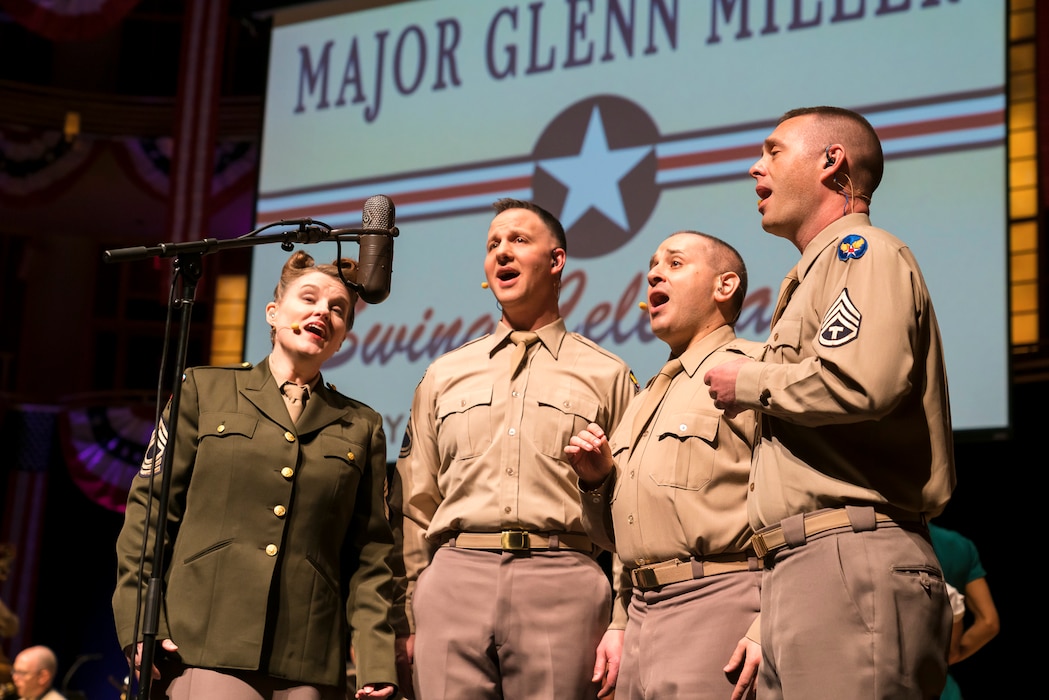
x=686 y=424
x=569 y=403
x=787 y=333
x=462 y=402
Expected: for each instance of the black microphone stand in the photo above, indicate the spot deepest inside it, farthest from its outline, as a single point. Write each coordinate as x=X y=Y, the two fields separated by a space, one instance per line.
x=188 y=267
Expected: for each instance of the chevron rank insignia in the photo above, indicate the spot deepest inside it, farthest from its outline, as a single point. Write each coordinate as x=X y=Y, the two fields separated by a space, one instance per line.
x=841 y=324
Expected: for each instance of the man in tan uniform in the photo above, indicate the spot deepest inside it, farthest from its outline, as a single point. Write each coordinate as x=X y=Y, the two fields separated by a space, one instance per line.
x=504 y=597
x=855 y=450
x=668 y=490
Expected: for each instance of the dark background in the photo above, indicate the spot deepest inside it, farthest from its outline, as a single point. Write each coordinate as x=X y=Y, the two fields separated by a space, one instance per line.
x=135 y=65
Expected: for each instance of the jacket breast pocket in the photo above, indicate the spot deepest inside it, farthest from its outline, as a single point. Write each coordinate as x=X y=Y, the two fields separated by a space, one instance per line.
x=467 y=418
x=345 y=463
x=346 y=454
x=682 y=449
x=227 y=438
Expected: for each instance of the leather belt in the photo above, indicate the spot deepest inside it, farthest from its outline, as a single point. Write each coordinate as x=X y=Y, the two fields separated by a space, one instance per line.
x=771 y=539
x=520 y=540
x=676 y=570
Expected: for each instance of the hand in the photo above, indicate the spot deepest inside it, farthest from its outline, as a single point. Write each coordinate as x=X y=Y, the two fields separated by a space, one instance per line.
x=743 y=666
x=376 y=690
x=590 y=456
x=165 y=644
x=606 y=669
x=722 y=383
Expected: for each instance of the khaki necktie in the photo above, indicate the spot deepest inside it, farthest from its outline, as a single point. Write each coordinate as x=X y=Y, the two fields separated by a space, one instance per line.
x=790 y=283
x=295 y=398
x=656 y=391
x=522 y=339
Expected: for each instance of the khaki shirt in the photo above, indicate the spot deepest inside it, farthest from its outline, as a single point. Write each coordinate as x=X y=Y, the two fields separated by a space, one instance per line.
x=852 y=386
x=483 y=453
x=679 y=489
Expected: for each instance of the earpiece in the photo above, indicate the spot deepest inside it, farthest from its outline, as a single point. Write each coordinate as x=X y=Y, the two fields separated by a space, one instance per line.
x=830 y=161
x=273 y=315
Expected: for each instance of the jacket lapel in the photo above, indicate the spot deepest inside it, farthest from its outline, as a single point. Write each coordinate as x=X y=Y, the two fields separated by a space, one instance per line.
x=260 y=390
x=324 y=408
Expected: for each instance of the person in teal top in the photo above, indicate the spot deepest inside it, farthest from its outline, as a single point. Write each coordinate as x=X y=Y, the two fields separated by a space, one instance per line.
x=963 y=569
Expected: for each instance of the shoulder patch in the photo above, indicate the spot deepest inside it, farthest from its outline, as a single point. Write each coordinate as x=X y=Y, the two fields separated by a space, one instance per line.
x=153 y=459
x=406 y=443
x=841 y=324
x=852 y=246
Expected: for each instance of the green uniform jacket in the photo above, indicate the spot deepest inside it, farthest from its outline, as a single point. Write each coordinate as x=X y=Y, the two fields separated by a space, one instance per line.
x=273 y=530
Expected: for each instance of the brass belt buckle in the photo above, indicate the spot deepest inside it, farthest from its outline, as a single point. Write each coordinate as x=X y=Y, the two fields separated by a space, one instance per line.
x=514 y=540
x=645 y=577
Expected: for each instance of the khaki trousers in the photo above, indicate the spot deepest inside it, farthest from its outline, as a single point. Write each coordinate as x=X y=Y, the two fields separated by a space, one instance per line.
x=855 y=615
x=518 y=626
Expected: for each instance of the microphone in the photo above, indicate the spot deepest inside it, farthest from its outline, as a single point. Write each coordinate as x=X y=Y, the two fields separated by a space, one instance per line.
x=375 y=266
x=643 y=306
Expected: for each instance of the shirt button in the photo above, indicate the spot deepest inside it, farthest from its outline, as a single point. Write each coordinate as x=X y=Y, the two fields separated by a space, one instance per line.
x=514 y=394
x=271 y=550
x=630 y=519
x=350 y=456
x=507 y=509
x=222 y=428
x=279 y=511
x=752 y=486
x=510 y=471
x=287 y=472
x=289 y=437
x=512 y=431
x=631 y=473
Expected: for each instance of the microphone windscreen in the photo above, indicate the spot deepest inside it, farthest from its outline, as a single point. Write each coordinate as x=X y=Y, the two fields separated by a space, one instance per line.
x=378 y=213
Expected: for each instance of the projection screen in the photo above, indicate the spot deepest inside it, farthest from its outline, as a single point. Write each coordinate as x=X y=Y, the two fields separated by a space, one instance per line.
x=630 y=120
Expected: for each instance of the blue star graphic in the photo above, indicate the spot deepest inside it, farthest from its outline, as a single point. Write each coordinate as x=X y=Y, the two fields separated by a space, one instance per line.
x=592 y=176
